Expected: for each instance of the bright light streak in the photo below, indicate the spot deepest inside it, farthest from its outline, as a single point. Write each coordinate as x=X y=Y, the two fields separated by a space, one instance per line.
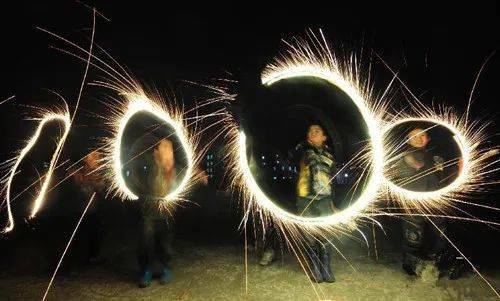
x=38 y=202
x=475 y=162
x=316 y=60
x=136 y=102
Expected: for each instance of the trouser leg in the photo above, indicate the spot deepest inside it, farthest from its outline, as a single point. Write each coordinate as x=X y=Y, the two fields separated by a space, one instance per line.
x=413 y=240
x=146 y=246
x=324 y=208
x=163 y=239
x=438 y=241
x=315 y=249
x=306 y=207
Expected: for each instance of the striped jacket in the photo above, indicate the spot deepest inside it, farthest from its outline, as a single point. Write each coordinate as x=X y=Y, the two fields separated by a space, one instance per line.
x=316 y=172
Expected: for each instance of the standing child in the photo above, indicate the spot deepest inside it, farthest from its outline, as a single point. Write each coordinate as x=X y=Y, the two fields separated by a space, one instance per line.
x=315 y=193
x=157 y=178
x=421 y=239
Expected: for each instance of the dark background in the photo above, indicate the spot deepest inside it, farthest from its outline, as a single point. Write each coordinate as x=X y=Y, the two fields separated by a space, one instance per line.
x=437 y=49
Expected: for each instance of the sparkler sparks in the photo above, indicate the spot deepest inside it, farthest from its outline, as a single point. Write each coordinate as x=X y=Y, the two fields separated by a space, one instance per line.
x=312 y=59
x=305 y=59
x=315 y=60
x=137 y=102
x=475 y=161
x=38 y=202
x=8 y=99
x=67 y=119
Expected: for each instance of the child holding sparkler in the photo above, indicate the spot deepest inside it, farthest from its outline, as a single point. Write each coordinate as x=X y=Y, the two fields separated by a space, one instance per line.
x=158 y=177
x=418 y=171
x=315 y=193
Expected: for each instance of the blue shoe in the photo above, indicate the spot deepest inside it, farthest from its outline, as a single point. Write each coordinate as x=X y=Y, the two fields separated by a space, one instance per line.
x=146 y=279
x=166 y=276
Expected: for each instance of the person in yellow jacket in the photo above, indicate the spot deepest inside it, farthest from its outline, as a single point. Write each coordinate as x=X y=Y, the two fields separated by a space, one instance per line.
x=315 y=196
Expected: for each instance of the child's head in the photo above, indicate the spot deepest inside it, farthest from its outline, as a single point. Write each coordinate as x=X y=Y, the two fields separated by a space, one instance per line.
x=418 y=138
x=316 y=135
x=164 y=151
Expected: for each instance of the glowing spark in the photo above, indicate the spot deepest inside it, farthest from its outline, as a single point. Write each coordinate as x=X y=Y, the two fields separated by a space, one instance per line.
x=312 y=59
x=137 y=102
x=474 y=161
x=6 y=100
x=65 y=119
x=315 y=60
x=477 y=164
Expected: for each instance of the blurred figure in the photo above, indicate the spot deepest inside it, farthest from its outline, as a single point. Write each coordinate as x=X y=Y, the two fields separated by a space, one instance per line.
x=88 y=180
x=315 y=194
x=421 y=240
x=155 y=180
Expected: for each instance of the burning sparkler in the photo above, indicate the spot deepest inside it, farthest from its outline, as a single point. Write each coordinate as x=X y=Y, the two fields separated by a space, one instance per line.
x=38 y=202
x=67 y=119
x=304 y=59
x=137 y=102
x=134 y=100
x=468 y=139
x=315 y=60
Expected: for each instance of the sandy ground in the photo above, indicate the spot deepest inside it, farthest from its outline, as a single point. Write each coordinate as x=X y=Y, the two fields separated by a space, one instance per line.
x=218 y=273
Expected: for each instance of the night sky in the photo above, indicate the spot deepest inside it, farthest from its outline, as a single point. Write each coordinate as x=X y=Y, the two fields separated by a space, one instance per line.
x=437 y=49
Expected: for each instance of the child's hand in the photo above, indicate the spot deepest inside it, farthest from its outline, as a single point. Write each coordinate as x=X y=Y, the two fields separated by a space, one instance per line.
x=438 y=163
x=410 y=160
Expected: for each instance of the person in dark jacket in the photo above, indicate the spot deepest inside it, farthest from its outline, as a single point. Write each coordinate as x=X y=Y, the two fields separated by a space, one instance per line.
x=419 y=170
x=89 y=182
x=315 y=196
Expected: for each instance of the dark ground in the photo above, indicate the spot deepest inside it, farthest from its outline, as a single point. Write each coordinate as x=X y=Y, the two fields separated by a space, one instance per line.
x=209 y=272
x=208 y=264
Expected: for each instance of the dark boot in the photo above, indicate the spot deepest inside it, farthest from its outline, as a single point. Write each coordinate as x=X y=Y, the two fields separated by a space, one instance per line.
x=410 y=263
x=326 y=265
x=146 y=278
x=314 y=265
